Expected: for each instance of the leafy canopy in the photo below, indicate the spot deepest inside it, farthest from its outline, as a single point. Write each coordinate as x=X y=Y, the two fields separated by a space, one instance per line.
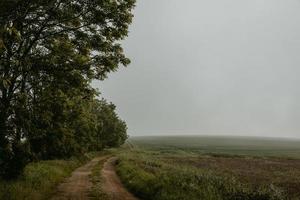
x=50 y=51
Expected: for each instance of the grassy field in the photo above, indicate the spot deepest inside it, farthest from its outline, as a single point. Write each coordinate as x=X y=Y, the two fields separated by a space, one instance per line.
x=214 y=168
x=222 y=145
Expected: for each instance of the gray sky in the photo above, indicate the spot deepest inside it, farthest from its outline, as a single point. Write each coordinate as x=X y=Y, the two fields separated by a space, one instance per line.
x=211 y=67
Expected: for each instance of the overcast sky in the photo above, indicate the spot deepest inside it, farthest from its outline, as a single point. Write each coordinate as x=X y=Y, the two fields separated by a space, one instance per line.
x=229 y=67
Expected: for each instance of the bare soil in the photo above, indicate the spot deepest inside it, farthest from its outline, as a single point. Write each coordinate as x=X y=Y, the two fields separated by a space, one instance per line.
x=112 y=184
x=77 y=186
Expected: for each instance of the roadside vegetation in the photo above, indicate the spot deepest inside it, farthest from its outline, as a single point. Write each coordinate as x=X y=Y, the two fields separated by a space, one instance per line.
x=162 y=172
x=39 y=179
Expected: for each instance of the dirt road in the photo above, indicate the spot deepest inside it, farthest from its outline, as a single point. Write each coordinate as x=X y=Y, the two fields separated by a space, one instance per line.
x=77 y=186
x=112 y=184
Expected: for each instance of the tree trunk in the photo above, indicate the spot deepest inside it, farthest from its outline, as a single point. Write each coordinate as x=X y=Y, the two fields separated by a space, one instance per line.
x=5 y=152
x=3 y=128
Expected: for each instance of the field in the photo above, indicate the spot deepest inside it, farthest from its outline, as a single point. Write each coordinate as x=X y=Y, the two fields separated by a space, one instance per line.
x=165 y=168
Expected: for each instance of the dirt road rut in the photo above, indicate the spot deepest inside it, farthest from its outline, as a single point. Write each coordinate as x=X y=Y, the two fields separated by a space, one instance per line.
x=112 y=184
x=78 y=185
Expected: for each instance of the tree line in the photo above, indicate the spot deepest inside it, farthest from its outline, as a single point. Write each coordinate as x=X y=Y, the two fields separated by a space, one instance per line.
x=50 y=52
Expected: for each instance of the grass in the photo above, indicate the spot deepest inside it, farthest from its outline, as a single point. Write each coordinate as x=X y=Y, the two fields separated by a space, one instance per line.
x=40 y=179
x=96 y=193
x=214 y=168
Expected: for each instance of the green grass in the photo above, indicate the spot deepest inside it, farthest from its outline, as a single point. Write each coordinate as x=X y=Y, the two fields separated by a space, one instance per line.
x=211 y=168
x=96 y=193
x=40 y=179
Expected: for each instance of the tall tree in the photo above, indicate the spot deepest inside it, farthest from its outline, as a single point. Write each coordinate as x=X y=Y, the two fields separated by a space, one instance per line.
x=53 y=44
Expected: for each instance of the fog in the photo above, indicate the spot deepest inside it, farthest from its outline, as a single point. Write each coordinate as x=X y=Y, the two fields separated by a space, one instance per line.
x=210 y=67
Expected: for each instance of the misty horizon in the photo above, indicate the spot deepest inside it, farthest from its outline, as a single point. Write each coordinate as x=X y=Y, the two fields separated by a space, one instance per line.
x=210 y=68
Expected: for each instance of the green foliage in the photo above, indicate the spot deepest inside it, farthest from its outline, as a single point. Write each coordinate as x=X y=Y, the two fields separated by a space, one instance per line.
x=111 y=130
x=50 y=51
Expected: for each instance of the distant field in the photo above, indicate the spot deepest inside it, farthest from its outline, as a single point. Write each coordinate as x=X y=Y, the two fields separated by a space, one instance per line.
x=215 y=168
x=222 y=145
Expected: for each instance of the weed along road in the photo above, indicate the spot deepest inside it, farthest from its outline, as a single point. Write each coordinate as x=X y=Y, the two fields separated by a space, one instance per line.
x=79 y=185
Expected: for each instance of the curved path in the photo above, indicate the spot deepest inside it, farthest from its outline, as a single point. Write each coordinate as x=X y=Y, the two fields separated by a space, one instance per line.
x=112 y=184
x=78 y=186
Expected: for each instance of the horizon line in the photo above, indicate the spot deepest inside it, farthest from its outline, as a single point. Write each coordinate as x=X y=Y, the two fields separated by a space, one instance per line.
x=215 y=135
